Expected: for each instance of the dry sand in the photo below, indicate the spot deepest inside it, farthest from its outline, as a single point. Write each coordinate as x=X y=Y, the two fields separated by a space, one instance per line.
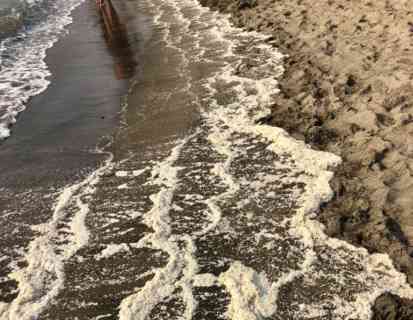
x=348 y=89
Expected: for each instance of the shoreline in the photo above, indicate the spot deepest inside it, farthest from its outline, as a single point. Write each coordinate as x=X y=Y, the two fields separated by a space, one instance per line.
x=54 y=138
x=345 y=90
x=53 y=141
x=118 y=232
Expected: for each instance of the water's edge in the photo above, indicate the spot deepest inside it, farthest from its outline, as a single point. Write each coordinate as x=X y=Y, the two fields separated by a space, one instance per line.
x=201 y=208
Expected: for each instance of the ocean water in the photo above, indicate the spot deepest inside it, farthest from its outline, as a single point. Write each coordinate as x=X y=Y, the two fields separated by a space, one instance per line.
x=200 y=210
x=27 y=29
x=16 y=15
x=12 y=8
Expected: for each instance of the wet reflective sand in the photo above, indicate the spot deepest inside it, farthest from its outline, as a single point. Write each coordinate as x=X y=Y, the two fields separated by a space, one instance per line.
x=200 y=211
x=54 y=140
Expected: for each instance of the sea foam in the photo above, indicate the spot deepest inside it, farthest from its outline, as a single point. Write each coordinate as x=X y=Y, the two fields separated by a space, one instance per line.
x=44 y=277
x=260 y=189
x=24 y=72
x=230 y=126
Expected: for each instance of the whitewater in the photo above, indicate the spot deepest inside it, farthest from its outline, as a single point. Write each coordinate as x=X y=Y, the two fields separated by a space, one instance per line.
x=213 y=219
x=27 y=29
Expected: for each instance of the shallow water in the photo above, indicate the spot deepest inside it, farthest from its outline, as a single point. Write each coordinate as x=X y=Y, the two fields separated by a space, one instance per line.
x=8 y=4
x=54 y=141
x=26 y=33
x=200 y=211
x=13 y=8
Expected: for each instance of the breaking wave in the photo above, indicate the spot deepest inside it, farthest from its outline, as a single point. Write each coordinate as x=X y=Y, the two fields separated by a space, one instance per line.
x=27 y=29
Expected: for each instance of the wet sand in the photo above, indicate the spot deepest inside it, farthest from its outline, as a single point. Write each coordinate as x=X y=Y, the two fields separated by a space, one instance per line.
x=53 y=141
x=214 y=225
x=347 y=89
x=174 y=223
x=55 y=135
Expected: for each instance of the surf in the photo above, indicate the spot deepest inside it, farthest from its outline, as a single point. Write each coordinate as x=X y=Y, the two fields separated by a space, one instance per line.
x=38 y=26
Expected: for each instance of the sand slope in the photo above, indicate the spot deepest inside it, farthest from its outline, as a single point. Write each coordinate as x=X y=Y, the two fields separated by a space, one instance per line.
x=348 y=89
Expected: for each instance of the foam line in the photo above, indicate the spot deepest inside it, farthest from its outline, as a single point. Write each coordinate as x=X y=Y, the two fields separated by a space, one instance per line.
x=44 y=276
x=253 y=295
x=241 y=117
x=140 y=304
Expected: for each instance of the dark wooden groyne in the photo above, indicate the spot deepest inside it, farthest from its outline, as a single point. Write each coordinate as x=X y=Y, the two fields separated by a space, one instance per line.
x=116 y=37
x=109 y=16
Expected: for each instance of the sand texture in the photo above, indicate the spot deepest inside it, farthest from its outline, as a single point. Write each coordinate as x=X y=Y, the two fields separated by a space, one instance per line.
x=348 y=89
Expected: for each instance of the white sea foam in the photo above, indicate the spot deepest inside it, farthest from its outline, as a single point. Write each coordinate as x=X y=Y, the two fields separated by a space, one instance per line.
x=133 y=173
x=251 y=296
x=103 y=316
x=121 y=173
x=44 y=276
x=231 y=130
x=204 y=280
x=254 y=294
x=24 y=72
x=32 y=2
x=111 y=250
x=140 y=304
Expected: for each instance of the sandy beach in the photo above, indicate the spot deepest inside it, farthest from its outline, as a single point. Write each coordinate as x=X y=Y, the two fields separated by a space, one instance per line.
x=347 y=89
x=211 y=199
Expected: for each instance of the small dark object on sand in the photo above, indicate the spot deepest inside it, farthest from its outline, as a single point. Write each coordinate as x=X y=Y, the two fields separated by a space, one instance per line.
x=247 y=4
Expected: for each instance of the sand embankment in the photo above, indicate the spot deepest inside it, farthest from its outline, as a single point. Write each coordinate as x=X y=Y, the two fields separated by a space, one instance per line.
x=348 y=89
